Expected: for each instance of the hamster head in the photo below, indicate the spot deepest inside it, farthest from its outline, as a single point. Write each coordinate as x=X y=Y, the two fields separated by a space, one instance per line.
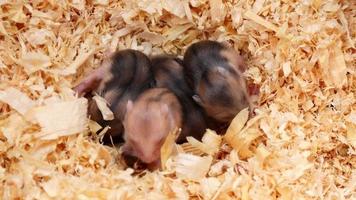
x=147 y=124
x=222 y=93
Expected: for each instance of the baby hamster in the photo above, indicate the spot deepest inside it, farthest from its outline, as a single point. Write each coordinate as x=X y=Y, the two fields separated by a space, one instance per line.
x=214 y=71
x=148 y=122
x=125 y=75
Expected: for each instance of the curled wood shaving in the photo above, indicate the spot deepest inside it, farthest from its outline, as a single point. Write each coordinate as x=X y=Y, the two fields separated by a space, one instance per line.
x=168 y=145
x=236 y=125
x=210 y=143
x=103 y=107
x=192 y=167
x=192 y=149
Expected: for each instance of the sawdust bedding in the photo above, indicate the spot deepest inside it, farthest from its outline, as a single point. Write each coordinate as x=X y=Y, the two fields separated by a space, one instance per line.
x=300 y=145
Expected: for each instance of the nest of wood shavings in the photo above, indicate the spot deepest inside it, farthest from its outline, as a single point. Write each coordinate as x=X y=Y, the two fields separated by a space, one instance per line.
x=300 y=145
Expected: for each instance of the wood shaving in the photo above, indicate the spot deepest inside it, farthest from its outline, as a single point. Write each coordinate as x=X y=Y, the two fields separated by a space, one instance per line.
x=17 y=100
x=60 y=119
x=191 y=167
x=103 y=107
x=168 y=145
x=210 y=143
x=236 y=125
x=351 y=134
x=217 y=11
x=34 y=61
x=250 y=15
x=300 y=145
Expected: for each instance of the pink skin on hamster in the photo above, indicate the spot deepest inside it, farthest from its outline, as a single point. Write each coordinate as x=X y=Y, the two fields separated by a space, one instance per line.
x=148 y=122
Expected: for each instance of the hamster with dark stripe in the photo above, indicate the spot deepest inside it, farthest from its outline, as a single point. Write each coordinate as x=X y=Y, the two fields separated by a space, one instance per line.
x=148 y=122
x=214 y=71
x=122 y=77
x=168 y=72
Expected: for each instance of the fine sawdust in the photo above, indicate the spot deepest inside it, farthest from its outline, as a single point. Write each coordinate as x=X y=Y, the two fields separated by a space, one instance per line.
x=300 y=145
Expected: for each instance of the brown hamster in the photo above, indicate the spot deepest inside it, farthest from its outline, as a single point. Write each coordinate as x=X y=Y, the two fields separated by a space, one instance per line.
x=214 y=71
x=148 y=122
x=168 y=73
x=122 y=77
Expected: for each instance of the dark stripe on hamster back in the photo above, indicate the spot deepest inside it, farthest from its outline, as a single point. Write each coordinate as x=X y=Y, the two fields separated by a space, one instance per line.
x=126 y=70
x=176 y=83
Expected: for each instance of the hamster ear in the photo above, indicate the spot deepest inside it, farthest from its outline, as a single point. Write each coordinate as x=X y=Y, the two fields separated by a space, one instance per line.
x=197 y=99
x=129 y=106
